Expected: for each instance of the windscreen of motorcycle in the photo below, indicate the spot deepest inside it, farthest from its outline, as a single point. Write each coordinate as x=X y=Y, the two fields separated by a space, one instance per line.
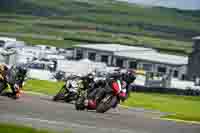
x=73 y=85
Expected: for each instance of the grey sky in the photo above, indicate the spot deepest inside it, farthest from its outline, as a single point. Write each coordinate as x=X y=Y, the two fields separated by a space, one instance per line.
x=181 y=4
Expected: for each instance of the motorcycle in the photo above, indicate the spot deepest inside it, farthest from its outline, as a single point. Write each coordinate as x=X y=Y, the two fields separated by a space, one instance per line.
x=108 y=97
x=69 y=91
x=88 y=83
x=80 y=102
x=3 y=86
x=105 y=96
x=15 y=80
x=115 y=92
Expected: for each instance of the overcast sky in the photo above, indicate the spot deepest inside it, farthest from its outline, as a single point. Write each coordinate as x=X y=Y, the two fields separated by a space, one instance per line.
x=181 y=4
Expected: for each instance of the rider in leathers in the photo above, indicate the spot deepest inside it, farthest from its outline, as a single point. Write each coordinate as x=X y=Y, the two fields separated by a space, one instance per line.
x=3 y=77
x=14 y=77
x=124 y=81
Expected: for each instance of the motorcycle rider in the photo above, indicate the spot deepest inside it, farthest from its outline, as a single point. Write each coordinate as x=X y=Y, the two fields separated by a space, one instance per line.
x=15 y=78
x=123 y=79
x=72 y=88
x=3 y=77
x=91 y=87
x=21 y=75
x=127 y=78
x=3 y=71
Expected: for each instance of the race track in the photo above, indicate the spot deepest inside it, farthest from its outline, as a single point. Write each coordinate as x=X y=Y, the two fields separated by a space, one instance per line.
x=41 y=112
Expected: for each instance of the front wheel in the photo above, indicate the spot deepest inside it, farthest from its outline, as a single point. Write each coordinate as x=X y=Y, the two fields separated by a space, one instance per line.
x=106 y=104
x=79 y=104
x=72 y=96
x=60 y=95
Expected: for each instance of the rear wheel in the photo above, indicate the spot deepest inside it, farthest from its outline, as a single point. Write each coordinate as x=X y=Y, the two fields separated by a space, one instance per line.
x=100 y=95
x=61 y=94
x=106 y=103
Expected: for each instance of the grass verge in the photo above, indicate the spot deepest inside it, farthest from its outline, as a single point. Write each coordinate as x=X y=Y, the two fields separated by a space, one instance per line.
x=11 y=128
x=180 y=107
x=41 y=86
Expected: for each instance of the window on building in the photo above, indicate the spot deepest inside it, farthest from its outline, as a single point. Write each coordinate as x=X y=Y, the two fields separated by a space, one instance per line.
x=37 y=66
x=183 y=77
x=119 y=62
x=2 y=43
x=162 y=69
x=79 y=54
x=104 y=58
x=147 y=67
x=133 y=64
x=47 y=47
x=92 y=56
x=176 y=73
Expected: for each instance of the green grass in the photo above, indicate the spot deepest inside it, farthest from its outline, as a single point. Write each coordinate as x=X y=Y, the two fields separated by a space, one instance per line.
x=11 y=128
x=107 y=12
x=180 y=107
x=45 y=87
x=49 y=42
x=75 y=36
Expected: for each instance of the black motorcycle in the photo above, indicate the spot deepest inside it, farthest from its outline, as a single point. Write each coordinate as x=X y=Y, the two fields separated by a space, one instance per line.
x=69 y=91
x=92 y=90
x=105 y=95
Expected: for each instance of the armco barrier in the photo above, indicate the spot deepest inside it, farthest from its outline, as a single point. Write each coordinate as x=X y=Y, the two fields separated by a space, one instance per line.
x=186 y=92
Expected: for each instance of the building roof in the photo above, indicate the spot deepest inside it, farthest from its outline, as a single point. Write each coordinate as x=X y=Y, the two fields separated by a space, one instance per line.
x=114 y=47
x=6 y=39
x=7 y=52
x=155 y=57
x=16 y=44
x=139 y=53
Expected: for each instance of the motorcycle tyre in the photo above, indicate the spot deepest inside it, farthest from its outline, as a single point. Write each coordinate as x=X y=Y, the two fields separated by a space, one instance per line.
x=103 y=107
x=79 y=104
x=60 y=95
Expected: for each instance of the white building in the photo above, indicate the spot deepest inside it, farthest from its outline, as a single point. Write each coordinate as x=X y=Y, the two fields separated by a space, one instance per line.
x=28 y=53
x=147 y=59
x=6 y=42
x=8 y=57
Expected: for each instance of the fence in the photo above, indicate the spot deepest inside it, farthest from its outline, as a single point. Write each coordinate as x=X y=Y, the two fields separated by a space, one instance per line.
x=186 y=92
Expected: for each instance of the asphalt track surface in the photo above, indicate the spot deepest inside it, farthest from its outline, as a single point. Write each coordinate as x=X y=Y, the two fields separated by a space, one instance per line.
x=41 y=112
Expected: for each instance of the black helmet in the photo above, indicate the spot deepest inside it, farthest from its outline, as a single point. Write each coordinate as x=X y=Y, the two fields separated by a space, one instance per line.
x=90 y=77
x=22 y=68
x=131 y=76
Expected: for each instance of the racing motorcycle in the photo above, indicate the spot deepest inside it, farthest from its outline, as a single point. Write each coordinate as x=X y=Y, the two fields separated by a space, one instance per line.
x=115 y=91
x=89 y=83
x=69 y=91
x=106 y=97
x=15 y=80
